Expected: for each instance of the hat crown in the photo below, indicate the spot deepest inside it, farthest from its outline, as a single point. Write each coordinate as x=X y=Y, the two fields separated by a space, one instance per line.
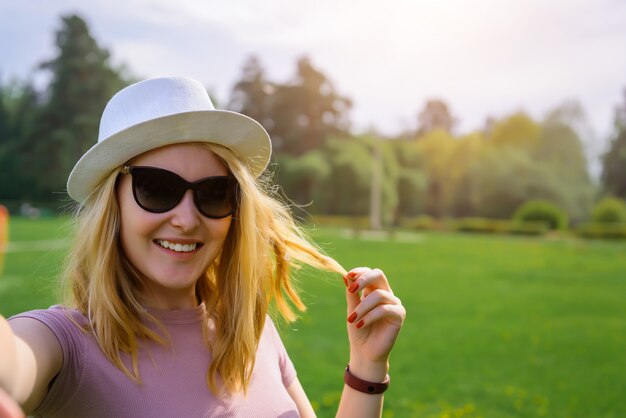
x=152 y=99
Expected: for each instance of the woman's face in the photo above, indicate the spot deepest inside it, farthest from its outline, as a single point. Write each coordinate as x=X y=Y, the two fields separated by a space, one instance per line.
x=171 y=275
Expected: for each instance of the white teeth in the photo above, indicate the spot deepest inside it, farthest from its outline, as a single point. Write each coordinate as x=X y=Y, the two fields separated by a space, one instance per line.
x=184 y=248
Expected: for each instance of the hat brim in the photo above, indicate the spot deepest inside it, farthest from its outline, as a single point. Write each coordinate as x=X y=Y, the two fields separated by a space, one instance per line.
x=243 y=135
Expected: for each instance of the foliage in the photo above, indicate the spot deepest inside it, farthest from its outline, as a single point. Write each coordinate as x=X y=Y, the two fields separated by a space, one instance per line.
x=55 y=129
x=435 y=116
x=609 y=210
x=435 y=149
x=560 y=150
x=339 y=221
x=411 y=191
x=421 y=222
x=602 y=230
x=322 y=166
x=251 y=93
x=412 y=181
x=301 y=114
x=614 y=160
x=542 y=211
x=20 y=105
x=308 y=175
x=517 y=130
x=490 y=174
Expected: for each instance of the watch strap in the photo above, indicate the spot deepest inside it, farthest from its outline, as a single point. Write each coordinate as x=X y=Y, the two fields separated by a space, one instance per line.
x=364 y=386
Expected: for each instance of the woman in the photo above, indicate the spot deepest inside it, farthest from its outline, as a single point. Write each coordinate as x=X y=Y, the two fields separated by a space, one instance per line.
x=179 y=251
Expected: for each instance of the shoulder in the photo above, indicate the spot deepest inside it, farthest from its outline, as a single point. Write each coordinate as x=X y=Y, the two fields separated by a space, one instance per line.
x=269 y=329
x=66 y=325
x=56 y=318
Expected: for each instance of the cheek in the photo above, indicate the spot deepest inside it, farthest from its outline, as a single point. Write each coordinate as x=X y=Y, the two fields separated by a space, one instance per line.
x=220 y=230
x=133 y=221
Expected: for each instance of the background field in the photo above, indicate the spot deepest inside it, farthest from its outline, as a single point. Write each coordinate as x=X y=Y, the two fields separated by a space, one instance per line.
x=496 y=327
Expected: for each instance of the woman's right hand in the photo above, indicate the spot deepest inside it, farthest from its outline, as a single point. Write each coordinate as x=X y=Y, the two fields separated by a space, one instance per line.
x=8 y=407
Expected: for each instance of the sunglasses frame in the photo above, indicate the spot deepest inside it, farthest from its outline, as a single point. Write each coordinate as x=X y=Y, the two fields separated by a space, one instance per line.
x=193 y=186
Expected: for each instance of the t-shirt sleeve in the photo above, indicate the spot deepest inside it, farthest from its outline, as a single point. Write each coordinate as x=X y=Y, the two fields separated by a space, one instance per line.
x=64 y=325
x=287 y=369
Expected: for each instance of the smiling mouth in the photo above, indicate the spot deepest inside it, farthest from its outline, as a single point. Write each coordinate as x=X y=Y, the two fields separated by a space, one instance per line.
x=178 y=247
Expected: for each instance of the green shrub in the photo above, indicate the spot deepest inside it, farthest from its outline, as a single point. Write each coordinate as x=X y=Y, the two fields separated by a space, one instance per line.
x=602 y=230
x=542 y=211
x=422 y=222
x=528 y=228
x=609 y=210
x=479 y=225
x=340 y=221
x=496 y=226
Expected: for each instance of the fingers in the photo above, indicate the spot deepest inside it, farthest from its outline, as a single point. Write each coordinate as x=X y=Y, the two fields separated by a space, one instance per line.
x=375 y=306
x=377 y=301
x=364 y=279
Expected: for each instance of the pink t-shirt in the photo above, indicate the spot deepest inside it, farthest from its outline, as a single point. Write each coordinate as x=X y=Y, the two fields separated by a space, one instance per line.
x=174 y=379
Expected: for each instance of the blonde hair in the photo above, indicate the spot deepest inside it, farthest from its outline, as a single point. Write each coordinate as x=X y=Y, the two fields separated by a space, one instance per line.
x=252 y=271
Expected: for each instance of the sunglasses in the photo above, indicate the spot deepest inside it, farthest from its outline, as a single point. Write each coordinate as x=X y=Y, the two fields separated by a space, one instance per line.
x=157 y=190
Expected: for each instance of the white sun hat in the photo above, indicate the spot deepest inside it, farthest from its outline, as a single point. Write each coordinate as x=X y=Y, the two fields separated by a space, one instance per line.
x=163 y=111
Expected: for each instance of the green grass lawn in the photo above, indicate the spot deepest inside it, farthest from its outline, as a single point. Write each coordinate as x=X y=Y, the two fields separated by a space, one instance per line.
x=496 y=326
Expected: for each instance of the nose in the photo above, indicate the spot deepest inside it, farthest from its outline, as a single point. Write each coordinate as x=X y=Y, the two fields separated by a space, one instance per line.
x=185 y=215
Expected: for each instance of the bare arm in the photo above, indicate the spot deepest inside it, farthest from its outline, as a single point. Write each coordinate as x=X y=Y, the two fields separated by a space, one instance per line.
x=298 y=395
x=375 y=317
x=32 y=357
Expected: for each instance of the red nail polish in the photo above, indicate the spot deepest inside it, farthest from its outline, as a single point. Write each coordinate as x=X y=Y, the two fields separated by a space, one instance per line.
x=351 y=274
x=345 y=281
x=352 y=317
x=353 y=288
x=360 y=324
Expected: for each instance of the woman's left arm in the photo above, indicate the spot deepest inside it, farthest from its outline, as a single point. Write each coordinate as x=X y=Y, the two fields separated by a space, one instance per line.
x=302 y=402
x=375 y=317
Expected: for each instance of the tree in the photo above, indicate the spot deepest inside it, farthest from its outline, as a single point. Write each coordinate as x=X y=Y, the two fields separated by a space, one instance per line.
x=307 y=111
x=412 y=182
x=614 y=160
x=517 y=130
x=508 y=177
x=20 y=105
x=464 y=188
x=252 y=93
x=303 y=179
x=435 y=115
x=435 y=149
x=67 y=126
x=559 y=149
x=348 y=187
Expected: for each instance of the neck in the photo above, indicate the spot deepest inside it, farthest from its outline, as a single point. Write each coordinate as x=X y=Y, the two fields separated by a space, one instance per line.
x=171 y=300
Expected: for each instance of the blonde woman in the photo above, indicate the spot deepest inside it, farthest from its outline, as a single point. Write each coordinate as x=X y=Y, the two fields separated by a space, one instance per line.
x=179 y=251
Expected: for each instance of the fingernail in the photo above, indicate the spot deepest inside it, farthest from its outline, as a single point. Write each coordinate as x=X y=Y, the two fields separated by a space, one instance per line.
x=351 y=274
x=352 y=317
x=353 y=288
x=360 y=324
x=345 y=281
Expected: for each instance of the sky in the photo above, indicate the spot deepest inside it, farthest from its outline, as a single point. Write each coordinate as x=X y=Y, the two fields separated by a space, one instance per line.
x=484 y=58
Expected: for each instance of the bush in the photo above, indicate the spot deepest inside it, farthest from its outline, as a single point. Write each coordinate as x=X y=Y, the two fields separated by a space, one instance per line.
x=602 y=230
x=528 y=228
x=478 y=225
x=340 y=221
x=609 y=210
x=495 y=226
x=422 y=222
x=542 y=211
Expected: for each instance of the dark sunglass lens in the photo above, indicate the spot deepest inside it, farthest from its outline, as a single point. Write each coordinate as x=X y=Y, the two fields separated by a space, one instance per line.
x=217 y=197
x=156 y=190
